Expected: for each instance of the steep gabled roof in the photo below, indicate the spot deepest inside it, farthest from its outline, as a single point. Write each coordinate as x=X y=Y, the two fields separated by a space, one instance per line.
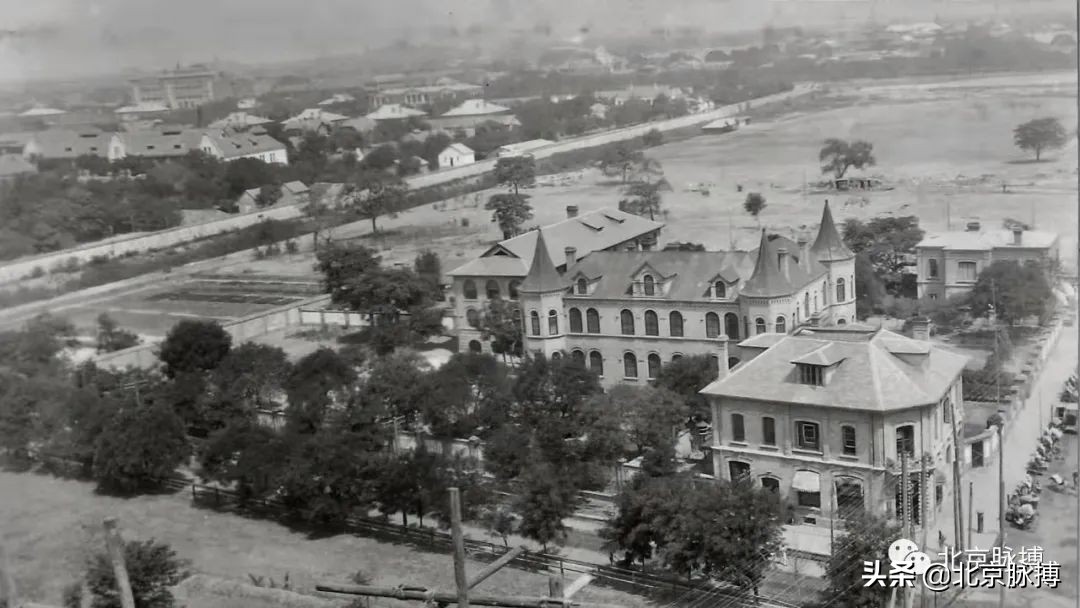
x=829 y=246
x=688 y=273
x=542 y=275
x=873 y=371
x=769 y=280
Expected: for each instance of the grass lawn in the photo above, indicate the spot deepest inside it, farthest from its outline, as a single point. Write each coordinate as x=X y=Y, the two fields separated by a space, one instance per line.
x=50 y=524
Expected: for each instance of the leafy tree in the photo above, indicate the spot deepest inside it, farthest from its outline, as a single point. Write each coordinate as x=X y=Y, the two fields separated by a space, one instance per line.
x=429 y=269
x=1012 y=291
x=515 y=172
x=645 y=509
x=269 y=195
x=250 y=377
x=510 y=211
x=384 y=293
x=373 y=197
x=652 y=138
x=651 y=415
x=341 y=262
x=866 y=539
x=141 y=447
x=885 y=241
x=397 y=383
x=680 y=246
x=194 y=345
x=73 y=421
x=381 y=158
x=643 y=199
x=1040 y=134
x=111 y=338
x=35 y=349
x=506 y=452
x=545 y=501
x=685 y=377
x=870 y=291
x=660 y=461
x=622 y=158
x=754 y=204
x=727 y=531
x=406 y=484
x=837 y=156
x=500 y=522
x=153 y=569
x=501 y=325
x=466 y=475
x=317 y=382
x=469 y=394
x=246 y=173
x=248 y=455
x=549 y=394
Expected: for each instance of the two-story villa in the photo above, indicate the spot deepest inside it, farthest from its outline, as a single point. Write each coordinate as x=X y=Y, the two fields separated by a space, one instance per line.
x=625 y=314
x=499 y=271
x=822 y=417
x=949 y=263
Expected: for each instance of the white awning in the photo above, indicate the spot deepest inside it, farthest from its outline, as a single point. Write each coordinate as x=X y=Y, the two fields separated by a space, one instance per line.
x=806 y=481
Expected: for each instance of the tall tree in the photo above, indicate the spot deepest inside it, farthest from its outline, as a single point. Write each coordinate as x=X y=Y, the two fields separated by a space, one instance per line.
x=318 y=381
x=515 y=172
x=429 y=269
x=643 y=199
x=249 y=378
x=469 y=395
x=248 y=455
x=545 y=501
x=194 y=345
x=754 y=204
x=509 y=211
x=140 y=448
x=645 y=509
x=887 y=242
x=153 y=570
x=650 y=415
x=397 y=383
x=371 y=197
x=501 y=325
x=866 y=539
x=837 y=156
x=1012 y=291
x=341 y=262
x=1040 y=134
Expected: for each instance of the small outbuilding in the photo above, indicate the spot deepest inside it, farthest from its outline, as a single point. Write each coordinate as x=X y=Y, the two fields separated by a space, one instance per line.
x=456 y=155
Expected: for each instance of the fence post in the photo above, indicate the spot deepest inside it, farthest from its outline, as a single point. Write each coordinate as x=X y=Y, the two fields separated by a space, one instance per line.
x=194 y=495
x=217 y=497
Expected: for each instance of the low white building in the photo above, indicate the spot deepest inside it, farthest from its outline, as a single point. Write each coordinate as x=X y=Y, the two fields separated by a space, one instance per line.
x=230 y=145
x=456 y=155
x=240 y=120
x=394 y=111
x=522 y=149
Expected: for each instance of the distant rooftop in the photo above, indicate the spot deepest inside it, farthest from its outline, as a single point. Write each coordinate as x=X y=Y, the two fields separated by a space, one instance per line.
x=989 y=239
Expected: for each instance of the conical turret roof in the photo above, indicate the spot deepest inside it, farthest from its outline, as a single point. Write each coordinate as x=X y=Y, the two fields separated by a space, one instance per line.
x=829 y=246
x=769 y=279
x=542 y=275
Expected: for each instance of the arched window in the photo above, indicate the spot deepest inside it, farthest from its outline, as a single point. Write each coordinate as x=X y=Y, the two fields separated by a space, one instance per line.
x=649 y=285
x=675 y=324
x=492 y=289
x=719 y=290
x=472 y=317
x=470 y=289
x=675 y=357
x=841 y=322
x=578 y=357
x=582 y=287
x=654 y=366
x=759 y=325
x=626 y=320
x=816 y=308
x=575 y=321
x=806 y=305
x=781 y=325
x=841 y=292
x=596 y=362
x=592 y=321
x=731 y=326
x=555 y=356
x=553 y=323
x=534 y=323
x=712 y=325
x=513 y=289
x=629 y=362
x=474 y=346
x=652 y=324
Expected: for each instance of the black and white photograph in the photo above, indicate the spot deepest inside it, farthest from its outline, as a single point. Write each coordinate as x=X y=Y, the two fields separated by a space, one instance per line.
x=539 y=304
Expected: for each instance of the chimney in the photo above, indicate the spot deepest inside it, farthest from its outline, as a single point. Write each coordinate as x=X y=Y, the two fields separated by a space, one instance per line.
x=1018 y=235
x=782 y=255
x=804 y=252
x=571 y=256
x=571 y=212
x=722 y=355
x=920 y=329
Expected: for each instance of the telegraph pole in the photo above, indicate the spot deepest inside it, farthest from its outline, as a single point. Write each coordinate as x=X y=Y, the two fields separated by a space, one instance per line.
x=459 y=549
x=115 y=546
x=1001 y=506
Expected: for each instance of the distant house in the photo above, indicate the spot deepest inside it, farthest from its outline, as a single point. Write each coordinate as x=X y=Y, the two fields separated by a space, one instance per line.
x=240 y=120
x=229 y=145
x=291 y=193
x=456 y=155
x=640 y=93
x=444 y=88
x=14 y=165
x=472 y=113
x=854 y=180
x=313 y=120
x=141 y=111
x=394 y=112
x=725 y=125
x=524 y=148
x=15 y=143
x=337 y=98
x=154 y=143
x=360 y=124
x=67 y=144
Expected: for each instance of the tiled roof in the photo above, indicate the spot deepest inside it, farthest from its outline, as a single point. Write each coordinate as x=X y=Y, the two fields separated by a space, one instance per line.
x=829 y=246
x=394 y=111
x=873 y=371
x=312 y=118
x=65 y=143
x=143 y=108
x=982 y=241
x=233 y=144
x=593 y=231
x=239 y=119
x=362 y=124
x=769 y=280
x=687 y=274
x=542 y=277
x=156 y=142
x=15 y=164
x=472 y=107
x=457 y=148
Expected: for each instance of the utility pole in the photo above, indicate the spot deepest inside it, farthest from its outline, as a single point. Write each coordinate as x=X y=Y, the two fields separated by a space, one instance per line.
x=459 y=549
x=115 y=546
x=971 y=501
x=8 y=594
x=1001 y=506
x=958 y=506
x=905 y=492
x=922 y=517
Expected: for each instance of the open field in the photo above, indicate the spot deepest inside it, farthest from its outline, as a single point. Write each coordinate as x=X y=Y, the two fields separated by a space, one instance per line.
x=945 y=147
x=50 y=523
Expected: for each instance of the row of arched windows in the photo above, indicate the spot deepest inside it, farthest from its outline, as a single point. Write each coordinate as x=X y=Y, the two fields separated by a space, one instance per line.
x=491 y=289
x=676 y=324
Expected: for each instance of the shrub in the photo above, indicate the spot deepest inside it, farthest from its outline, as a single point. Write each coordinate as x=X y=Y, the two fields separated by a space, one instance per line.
x=291 y=246
x=153 y=568
x=464 y=222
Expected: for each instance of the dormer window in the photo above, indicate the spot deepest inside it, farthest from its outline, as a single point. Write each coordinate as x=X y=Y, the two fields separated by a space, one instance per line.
x=719 y=290
x=648 y=285
x=582 y=287
x=811 y=375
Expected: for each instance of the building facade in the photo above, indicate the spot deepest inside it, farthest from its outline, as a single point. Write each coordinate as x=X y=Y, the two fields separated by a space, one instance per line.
x=949 y=263
x=827 y=417
x=627 y=313
x=180 y=88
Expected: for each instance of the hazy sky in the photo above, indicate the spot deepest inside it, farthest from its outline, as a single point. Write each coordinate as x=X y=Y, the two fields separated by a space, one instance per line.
x=64 y=38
